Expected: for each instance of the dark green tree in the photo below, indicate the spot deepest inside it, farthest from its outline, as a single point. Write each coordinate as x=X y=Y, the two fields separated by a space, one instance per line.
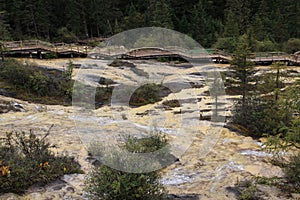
x=4 y=33
x=133 y=18
x=159 y=14
x=203 y=27
x=207 y=21
x=292 y=45
x=42 y=17
x=76 y=16
x=242 y=68
x=278 y=67
x=237 y=15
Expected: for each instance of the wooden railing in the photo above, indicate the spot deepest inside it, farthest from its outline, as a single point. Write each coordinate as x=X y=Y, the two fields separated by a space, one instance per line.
x=62 y=48
x=37 y=44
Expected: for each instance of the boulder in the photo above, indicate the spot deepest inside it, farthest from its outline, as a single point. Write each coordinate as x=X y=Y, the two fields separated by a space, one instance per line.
x=7 y=106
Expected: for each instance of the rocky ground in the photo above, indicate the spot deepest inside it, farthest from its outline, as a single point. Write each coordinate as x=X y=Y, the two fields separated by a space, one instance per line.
x=212 y=159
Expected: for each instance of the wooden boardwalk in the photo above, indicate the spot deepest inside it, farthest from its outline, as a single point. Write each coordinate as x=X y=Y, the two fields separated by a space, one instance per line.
x=269 y=57
x=216 y=56
x=213 y=55
x=40 y=49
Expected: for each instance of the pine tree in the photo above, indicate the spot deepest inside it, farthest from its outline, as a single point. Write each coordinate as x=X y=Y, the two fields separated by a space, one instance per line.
x=203 y=27
x=278 y=67
x=231 y=28
x=133 y=18
x=242 y=68
x=160 y=14
x=43 y=9
x=4 y=33
x=237 y=17
x=76 y=17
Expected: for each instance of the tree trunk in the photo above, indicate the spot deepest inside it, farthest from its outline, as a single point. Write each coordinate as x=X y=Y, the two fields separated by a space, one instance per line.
x=2 y=52
x=277 y=83
x=244 y=82
x=34 y=22
x=85 y=27
x=97 y=27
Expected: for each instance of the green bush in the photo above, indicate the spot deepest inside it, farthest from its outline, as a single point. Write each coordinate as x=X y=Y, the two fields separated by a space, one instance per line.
x=50 y=55
x=111 y=184
x=288 y=139
x=31 y=82
x=65 y=35
x=162 y=59
x=292 y=170
x=145 y=145
x=171 y=103
x=148 y=93
x=261 y=117
x=38 y=83
x=266 y=45
x=103 y=96
x=247 y=191
x=69 y=71
x=292 y=45
x=227 y=44
x=26 y=160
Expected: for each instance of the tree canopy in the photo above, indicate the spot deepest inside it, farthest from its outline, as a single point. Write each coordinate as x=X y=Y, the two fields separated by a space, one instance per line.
x=205 y=20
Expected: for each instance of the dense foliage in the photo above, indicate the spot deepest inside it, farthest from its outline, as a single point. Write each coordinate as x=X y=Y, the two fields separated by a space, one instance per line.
x=217 y=22
x=30 y=82
x=148 y=93
x=26 y=160
x=268 y=107
x=111 y=184
x=260 y=116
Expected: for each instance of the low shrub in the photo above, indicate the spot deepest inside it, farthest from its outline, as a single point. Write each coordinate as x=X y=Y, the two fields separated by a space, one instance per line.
x=247 y=191
x=51 y=55
x=292 y=171
x=29 y=82
x=267 y=181
x=162 y=59
x=121 y=63
x=292 y=45
x=171 y=103
x=110 y=184
x=67 y=74
x=266 y=45
x=145 y=145
x=148 y=93
x=26 y=160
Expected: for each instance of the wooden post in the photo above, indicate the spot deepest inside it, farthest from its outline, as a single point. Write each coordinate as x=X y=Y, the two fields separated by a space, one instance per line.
x=1 y=50
x=272 y=57
x=39 y=54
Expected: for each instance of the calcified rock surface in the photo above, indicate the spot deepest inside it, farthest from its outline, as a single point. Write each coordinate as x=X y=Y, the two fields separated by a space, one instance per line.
x=211 y=159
